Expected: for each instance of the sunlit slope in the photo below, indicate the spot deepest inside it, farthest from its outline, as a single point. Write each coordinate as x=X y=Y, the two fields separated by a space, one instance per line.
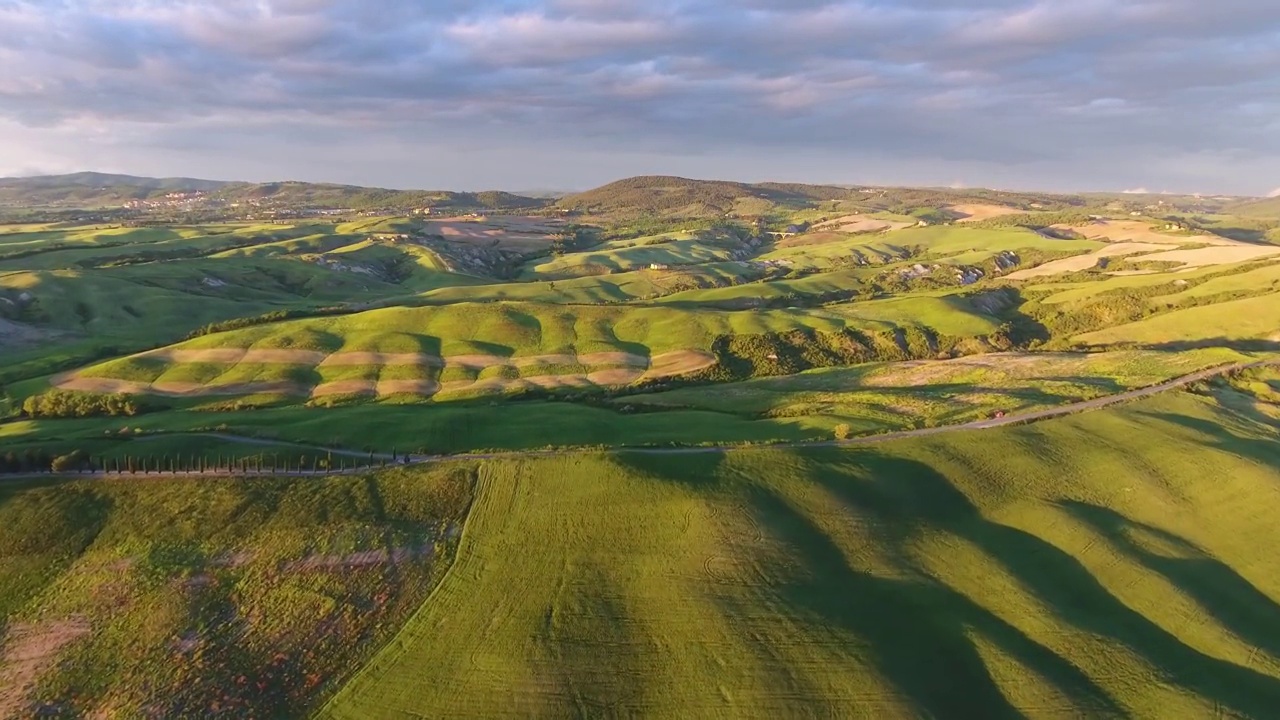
x=1113 y=564
x=304 y=353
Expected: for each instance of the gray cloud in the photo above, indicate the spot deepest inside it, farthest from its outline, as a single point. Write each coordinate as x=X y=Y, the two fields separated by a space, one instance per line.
x=1093 y=93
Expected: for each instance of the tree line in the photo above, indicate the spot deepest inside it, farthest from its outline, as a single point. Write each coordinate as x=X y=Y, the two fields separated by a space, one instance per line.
x=34 y=460
x=64 y=404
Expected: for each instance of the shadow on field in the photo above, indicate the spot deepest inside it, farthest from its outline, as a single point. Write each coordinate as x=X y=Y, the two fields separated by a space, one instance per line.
x=918 y=632
x=1246 y=346
x=1258 y=449
x=1232 y=600
x=697 y=471
x=906 y=493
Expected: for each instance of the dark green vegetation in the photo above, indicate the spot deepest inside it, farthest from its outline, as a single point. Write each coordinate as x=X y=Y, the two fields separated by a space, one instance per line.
x=278 y=344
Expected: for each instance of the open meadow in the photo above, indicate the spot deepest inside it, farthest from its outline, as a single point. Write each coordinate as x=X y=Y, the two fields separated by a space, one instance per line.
x=665 y=448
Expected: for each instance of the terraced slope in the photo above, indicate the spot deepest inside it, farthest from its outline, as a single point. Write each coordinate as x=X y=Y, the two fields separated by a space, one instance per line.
x=1115 y=564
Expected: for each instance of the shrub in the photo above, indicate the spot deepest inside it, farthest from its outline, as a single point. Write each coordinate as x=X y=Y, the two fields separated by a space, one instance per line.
x=76 y=460
x=62 y=404
x=843 y=431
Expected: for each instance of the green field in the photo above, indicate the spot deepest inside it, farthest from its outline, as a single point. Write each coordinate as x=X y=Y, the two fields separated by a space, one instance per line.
x=956 y=577
x=666 y=448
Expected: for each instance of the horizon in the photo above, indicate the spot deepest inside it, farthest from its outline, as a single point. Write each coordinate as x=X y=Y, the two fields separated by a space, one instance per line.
x=534 y=191
x=573 y=93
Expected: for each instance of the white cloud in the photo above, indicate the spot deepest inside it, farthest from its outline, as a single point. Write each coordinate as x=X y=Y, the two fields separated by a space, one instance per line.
x=1054 y=95
x=1274 y=193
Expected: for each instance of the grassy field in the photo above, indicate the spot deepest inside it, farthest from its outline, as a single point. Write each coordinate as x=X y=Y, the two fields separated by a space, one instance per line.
x=881 y=397
x=1113 y=563
x=212 y=598
x=1250 y=321
x=1077 y=567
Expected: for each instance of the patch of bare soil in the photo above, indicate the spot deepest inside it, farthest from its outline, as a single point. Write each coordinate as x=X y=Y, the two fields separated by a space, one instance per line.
x=357 y=560
x=29 y=650
x=345 y=387
x=977 y=212
x=1138 y=231
x=411 y=387
x=617 y=376
x=1087 y=261
x=1216 y=255
x=679 y=362
x=349 y=359
x=72 y=381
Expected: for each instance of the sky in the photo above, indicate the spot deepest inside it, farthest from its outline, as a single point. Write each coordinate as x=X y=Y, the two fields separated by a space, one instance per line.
x=1157 y=95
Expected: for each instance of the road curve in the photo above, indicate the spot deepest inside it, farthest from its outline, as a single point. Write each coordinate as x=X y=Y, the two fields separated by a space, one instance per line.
x=1016 y=419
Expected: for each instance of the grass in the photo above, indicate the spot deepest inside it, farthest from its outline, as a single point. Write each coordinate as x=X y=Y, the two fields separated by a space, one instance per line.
x=885 y=397
x=593 y=262
x=508 y=329
x=202 y=598
x=1254 y=318
x=1081 y=567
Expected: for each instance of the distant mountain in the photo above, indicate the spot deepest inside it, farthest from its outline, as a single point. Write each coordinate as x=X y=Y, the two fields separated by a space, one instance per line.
x=90 y=189
x=1256 y=208
x=105 y=180
x=101 y=190
x=681 y=198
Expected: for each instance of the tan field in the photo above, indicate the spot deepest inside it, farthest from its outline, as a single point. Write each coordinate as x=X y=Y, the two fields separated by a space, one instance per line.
x=1127 y=237
x=1085 y=262
x=859 y=224
x=1138 y=231
x=1218 y=255
x=976 y=212
x=513 y=231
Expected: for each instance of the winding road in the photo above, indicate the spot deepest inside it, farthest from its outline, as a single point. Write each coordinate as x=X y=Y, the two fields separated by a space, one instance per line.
x=1014 y=419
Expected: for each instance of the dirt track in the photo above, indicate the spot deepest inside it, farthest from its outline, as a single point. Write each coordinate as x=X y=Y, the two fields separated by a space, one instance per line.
x=1016 y=419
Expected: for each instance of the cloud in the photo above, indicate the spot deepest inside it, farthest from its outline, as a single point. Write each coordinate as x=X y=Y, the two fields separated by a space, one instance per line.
x=1050 y=94
x=1274 y=193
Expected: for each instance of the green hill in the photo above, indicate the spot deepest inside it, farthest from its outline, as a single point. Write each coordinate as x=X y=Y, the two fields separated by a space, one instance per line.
x=1111 y=564
x=1076 y=568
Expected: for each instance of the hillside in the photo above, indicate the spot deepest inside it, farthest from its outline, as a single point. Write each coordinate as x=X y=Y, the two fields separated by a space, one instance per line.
x=98 y=190
x=1074 y=568
x=91 y=189
x=1109 y=564
x=745 y=450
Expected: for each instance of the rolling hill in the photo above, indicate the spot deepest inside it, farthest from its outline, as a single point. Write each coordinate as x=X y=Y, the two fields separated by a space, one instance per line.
x=666 y=448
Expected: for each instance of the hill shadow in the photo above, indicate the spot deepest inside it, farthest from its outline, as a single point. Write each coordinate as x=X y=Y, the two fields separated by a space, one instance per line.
x=1265 y=451
x=1232 y=600
x=919 y=633
x=908 y=491
x=1246 y=345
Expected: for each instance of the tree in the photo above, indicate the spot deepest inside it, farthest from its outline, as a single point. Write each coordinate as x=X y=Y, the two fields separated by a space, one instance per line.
x=843 y=431
x=75 y=460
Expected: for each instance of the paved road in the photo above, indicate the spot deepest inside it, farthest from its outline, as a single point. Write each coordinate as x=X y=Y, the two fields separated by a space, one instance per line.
x=1020 y=418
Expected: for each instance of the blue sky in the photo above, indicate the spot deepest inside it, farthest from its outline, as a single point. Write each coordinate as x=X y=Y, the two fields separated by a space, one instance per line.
x=1176 y=95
